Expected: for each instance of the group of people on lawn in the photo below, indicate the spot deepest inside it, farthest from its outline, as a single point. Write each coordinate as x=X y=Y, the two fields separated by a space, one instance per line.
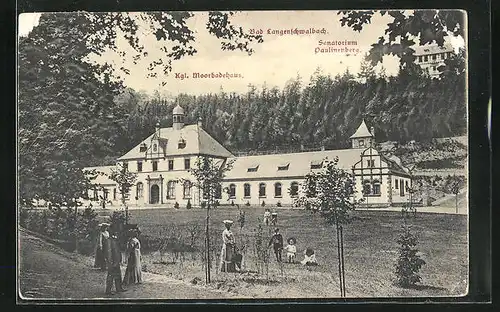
x=231 y=259
x=108 y=256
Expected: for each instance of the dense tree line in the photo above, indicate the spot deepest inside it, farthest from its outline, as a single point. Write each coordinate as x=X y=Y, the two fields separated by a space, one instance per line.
x=73 y=112
x=323 y=112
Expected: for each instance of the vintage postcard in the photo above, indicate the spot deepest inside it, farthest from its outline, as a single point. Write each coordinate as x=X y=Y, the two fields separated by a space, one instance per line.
x=242 y=155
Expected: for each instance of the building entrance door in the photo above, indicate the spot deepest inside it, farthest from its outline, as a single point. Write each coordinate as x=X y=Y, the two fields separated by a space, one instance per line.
x=155 y=194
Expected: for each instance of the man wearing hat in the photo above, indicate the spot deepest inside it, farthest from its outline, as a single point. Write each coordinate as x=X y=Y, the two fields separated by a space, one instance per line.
x=277 y=242
x=114 y=257
x=227 y=247
x=101 y=246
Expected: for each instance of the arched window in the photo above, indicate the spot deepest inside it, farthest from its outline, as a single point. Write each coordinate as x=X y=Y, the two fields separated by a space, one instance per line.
x=367 y=188
x=232 y=191
x=277 y=189
x=311 y=189
x=187 y=189
x=246 y=190
x=376 y=187
x=170 y=189
x=155 y=147
x=294 y=189
x=262 y=190
x=139 y=190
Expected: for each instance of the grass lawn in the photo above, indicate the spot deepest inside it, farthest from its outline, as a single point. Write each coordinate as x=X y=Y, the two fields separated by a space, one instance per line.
x=370 y=253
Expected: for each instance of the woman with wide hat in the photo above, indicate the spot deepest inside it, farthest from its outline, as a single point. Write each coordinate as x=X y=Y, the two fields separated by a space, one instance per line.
x=227 y=247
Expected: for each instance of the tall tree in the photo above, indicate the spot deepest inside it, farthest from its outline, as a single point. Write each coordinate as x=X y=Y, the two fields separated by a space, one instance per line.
x=330 y=191
x=209 y=173
x=67 y=114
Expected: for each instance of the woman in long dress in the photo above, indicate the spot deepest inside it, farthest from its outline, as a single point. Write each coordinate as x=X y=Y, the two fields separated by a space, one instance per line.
x=227 y=248
x=101 y=247
x=133 y=274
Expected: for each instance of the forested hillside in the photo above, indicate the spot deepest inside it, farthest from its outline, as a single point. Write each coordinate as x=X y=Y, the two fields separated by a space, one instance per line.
x=323 y=111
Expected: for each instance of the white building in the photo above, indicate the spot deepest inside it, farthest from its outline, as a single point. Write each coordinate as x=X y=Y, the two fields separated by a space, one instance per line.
x=167 y=155
x=430 y=57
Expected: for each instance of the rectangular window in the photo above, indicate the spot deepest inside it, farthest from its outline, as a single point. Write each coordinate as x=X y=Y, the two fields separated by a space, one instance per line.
x=370 y=163
x=401 y=188
x=420 y=58
x=396 y=185
x=125 y=165
x=171 y=190
x=316 y=164
x=155 y=165
x=139 y=166
x=361 y=142
x=143 y=147
x=170 y=164
x=433 y=57
x=232 y=191
x=187 y=163
x=426 y=58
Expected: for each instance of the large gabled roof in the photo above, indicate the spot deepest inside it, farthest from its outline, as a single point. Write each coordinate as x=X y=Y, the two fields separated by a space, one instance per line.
x=197 y=140
x=296 y=164
x=362 y=131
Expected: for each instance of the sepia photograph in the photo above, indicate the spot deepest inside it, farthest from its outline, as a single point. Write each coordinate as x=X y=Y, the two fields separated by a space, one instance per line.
x=212 y=155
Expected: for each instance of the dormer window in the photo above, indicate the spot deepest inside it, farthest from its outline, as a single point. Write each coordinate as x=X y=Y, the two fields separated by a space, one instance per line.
x=253 y=168
x=143 y=147
x=182 y=143
x=283 y=167
x=316 y=164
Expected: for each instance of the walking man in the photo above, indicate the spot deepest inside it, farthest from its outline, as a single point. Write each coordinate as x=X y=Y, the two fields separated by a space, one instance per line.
x=277 y=242
x=114 y=257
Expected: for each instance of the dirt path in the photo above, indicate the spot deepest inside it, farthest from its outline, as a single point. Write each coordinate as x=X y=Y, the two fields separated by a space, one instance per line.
x=48 y=272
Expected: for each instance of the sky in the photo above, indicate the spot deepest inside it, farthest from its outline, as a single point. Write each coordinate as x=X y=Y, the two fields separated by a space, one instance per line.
x=275 y=61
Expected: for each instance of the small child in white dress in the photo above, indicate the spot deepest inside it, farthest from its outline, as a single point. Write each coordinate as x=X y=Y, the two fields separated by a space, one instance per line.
x=291 y=250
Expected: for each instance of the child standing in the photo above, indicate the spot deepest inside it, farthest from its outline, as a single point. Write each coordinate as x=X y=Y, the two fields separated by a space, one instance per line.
x=291 y=250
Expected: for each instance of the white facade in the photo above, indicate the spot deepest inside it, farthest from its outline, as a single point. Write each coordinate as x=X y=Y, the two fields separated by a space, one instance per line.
x=164 y=159
x=430 y=57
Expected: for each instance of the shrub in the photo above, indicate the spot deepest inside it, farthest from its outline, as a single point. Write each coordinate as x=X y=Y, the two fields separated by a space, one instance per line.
x=278 y=204
x=409 y=262
x=247 y=204
x=263 y=204
x=176 y=205
x=188 y=206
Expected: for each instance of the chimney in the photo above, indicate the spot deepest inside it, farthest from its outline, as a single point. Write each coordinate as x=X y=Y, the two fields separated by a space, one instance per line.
x=200 y=123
